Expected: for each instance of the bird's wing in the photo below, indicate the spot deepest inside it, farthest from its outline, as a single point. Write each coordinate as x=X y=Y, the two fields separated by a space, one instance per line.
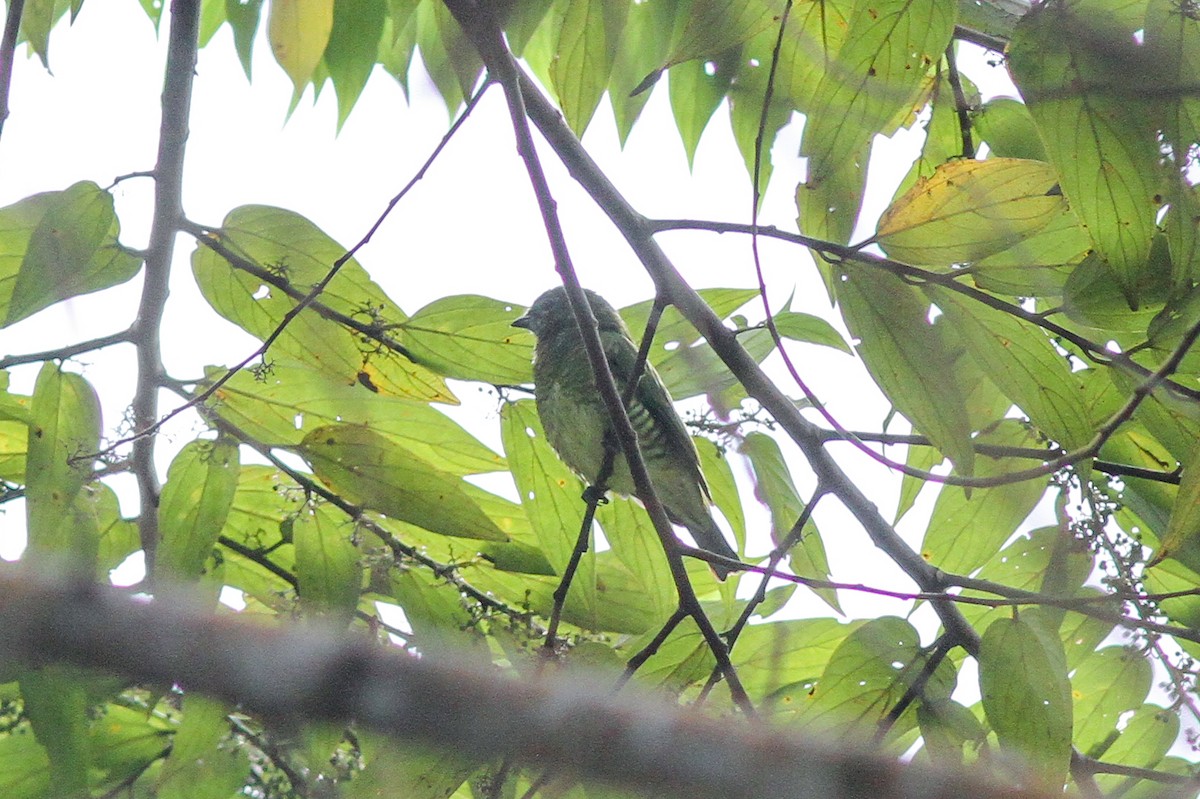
x=652 y=395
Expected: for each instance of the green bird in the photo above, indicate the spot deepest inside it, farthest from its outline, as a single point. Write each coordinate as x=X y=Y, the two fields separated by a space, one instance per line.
x=577 y=422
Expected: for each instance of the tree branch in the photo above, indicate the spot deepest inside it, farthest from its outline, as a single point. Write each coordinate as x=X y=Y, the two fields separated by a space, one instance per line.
x=180 y=71
x=310 y=672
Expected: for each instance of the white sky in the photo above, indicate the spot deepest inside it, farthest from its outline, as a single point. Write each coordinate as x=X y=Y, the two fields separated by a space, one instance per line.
x=470 y=226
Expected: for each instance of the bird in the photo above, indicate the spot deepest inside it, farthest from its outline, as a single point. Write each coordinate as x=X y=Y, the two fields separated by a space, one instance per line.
x=577 y=422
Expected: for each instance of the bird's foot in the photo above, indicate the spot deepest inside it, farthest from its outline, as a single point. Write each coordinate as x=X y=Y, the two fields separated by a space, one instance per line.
x=595 y=496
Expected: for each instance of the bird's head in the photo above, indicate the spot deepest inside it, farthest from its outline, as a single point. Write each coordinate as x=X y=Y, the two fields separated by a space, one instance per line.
x=551 y=314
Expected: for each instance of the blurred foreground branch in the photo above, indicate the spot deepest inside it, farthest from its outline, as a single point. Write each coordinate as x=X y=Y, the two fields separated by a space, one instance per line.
x=573 y=722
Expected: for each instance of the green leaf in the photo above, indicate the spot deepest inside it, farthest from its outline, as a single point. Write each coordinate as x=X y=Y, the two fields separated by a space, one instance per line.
x=878 y=71
x=461 y=64
x=774 y=488
x=1173 y=37
x=1026 y=564
x=298 y=31
x=868 y=673
x=1183 y=530
x=1092 y=296
x=56 y=703
x=943 y=128
x=64 y=425
x=367 y=469
x=967 y=527
x=328 y=572
x=715 y=26
x=1024 y=365
x=199 y=768
x=968 y=210
x=1026 y=695
x=636 y=545
x=353 y=48
x=1113 y=681
x=697 y=89
x=771 y=656
x=404 y=770
x=37 y=19
x=584 y=50
x=284 y=245
x=947 y=729
x=195 y=502
x=550 y=492
x=523 y=20
x=280 y=405
x=212 y=17
x=717 y=472
x=26 y=773
x=470 y=337
x=1009 y=130
x=811 y=329
x=58 y=245
x=1147 y=736
x=243 y=16
x=909 y=360
x=688 y=371
x=643 y=50
x=673 y=329
x=1100 y=142
x=96 y=507
x=918 y=457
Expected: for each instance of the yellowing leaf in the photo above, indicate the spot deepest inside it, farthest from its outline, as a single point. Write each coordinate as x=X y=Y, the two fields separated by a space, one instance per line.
x=298 y=31
x=968 y=210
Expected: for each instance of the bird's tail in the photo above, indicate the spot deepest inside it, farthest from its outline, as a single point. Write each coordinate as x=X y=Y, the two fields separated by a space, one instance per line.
x=710 y=538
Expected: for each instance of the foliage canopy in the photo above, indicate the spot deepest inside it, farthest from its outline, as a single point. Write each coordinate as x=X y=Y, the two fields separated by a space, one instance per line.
x=1027 y=302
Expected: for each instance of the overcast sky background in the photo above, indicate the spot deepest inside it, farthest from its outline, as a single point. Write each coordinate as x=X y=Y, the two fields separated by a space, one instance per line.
x=471 y=226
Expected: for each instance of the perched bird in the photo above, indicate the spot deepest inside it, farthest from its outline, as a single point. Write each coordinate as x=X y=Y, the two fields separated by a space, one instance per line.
x=577 y=422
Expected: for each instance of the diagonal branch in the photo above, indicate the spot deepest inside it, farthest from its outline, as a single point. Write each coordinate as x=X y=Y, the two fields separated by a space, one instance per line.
x=477 y=22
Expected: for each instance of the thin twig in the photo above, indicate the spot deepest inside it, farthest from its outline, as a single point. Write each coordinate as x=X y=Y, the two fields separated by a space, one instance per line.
x=69 y=351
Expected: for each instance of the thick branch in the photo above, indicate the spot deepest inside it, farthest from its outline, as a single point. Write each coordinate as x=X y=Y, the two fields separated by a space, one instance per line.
x=313 y=673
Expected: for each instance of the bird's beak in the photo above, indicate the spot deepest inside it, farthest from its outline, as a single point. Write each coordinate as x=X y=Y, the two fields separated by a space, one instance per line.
x=523 y=321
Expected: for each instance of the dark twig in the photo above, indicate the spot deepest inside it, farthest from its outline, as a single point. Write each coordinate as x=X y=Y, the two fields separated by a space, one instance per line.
x=916 y=688
x=69 y=351
x=960 y=103
x=1001 y=451
x=8 y=49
